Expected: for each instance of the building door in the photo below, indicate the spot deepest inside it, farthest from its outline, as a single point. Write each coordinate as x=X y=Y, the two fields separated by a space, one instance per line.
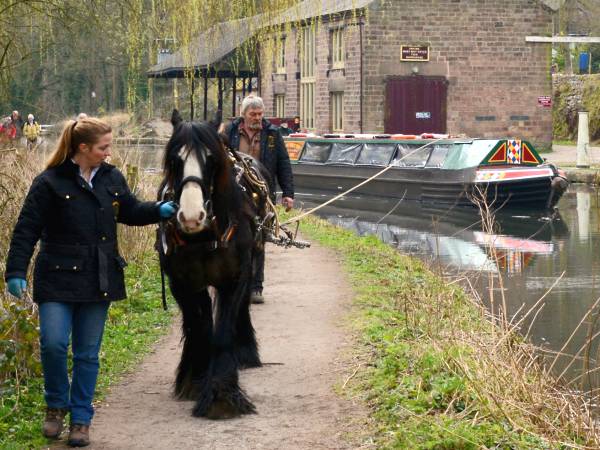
x=416 y=105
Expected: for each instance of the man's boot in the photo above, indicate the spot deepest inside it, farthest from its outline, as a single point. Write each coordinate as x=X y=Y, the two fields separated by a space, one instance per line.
x=79 y=435
x=54 y=422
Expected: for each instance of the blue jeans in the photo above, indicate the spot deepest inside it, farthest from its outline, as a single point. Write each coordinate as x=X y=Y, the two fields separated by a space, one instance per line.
x=86 y=322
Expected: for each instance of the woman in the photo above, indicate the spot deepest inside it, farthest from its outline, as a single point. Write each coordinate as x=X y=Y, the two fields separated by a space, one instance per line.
x=73 y=207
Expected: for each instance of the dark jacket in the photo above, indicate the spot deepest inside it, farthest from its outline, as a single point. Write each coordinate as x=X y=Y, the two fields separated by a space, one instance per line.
x=79 y=259
x=273 y=154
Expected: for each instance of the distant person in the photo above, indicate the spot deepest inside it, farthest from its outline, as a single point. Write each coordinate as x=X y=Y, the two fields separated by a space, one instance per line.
x=73 y=207
x=284 y=129
x=9 y=131
x=18 y=123
x=254 y=135
x=296 y=125
x=31 y=131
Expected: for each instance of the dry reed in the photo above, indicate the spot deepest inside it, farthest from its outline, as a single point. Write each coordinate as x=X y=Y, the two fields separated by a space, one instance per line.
x=18 y=318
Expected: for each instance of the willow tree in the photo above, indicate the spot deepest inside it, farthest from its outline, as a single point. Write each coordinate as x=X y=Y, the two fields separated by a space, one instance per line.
x=54 y=53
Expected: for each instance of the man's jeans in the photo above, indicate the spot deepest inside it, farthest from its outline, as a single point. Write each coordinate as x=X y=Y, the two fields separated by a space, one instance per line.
x=86 y=321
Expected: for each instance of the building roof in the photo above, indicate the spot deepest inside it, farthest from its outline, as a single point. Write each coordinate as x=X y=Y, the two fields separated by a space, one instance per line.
x=308 y=9
x=221 y=40
x=554 y=5
x=208 y=48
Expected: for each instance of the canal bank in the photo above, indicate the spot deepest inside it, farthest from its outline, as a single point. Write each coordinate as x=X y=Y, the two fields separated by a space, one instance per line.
x=436 y=370
x=565 y=157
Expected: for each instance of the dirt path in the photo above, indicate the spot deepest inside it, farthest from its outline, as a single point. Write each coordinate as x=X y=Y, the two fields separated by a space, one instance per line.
x=300 y=334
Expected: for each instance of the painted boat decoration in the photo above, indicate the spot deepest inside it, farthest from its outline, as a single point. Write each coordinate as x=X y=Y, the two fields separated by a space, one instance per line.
x=462 y=172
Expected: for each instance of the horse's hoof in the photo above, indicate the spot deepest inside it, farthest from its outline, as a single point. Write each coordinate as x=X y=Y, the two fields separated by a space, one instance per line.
x=225 y=407
x=222 y=410
x=247 y=358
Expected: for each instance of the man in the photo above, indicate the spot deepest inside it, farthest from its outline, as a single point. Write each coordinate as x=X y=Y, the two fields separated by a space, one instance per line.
x=257 y=137
x=17 y=121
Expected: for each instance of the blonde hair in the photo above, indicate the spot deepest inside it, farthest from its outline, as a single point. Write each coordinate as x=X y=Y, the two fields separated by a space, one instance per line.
x=85 y=131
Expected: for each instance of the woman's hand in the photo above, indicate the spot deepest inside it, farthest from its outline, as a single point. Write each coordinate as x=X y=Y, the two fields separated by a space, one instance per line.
x=167 y=209
x=16 y=286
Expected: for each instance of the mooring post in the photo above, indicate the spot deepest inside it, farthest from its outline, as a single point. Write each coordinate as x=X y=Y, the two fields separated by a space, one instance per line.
x=583 y=141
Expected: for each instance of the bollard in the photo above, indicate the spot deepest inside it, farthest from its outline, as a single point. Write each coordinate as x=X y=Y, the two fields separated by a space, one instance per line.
x=583 y=141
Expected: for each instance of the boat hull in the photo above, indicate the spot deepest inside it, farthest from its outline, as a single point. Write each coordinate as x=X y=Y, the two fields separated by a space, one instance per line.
x=465 y=187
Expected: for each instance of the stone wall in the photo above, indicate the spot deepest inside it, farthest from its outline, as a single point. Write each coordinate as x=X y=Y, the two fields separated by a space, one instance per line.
x=495 y=77
x=328 y=80
x=571 y=94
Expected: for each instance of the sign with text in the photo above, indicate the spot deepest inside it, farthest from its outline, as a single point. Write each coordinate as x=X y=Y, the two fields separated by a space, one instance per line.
x=414 y=53
x=545 y=101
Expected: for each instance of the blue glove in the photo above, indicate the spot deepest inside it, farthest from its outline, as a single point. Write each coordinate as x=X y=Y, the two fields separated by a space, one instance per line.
x=166 y=210
x=16 y=286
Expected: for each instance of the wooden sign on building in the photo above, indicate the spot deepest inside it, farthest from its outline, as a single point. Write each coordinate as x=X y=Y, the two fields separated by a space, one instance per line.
x=414 y=53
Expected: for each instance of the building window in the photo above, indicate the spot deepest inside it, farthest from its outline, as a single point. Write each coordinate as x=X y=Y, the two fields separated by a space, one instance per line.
x=337 y=48
x=279 y=105
x=307 y=77
x=337 y=111
x=280 y=56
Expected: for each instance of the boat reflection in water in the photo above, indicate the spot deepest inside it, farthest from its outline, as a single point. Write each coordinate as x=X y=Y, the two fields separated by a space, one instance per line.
x=554 y=257
x=456 y=238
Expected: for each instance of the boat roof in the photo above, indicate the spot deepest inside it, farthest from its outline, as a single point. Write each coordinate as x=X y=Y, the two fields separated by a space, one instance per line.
x=444 y=152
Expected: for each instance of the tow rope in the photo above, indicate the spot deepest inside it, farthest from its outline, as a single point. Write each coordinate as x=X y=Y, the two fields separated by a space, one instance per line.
x=362 y=183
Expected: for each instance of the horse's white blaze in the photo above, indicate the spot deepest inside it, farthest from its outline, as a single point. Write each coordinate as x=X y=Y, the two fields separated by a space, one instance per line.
x=191 y=215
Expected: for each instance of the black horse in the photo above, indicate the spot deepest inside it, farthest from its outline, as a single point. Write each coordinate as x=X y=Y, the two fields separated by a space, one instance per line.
x=209 y=244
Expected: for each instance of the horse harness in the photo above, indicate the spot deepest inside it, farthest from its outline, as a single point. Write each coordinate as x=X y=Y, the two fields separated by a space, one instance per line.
x=169 y=238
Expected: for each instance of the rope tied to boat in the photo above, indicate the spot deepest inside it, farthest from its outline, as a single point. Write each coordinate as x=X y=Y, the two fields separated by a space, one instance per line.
x=362 y=183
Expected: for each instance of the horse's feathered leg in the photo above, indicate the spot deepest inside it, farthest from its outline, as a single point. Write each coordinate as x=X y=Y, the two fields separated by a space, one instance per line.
x=222 y=397
x=197 y=328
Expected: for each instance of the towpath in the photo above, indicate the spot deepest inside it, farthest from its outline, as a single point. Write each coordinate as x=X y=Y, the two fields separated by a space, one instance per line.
x=567 y=154
x=305 y=349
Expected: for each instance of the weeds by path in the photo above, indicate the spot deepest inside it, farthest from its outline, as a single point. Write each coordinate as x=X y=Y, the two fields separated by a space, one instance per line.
x=437 y=373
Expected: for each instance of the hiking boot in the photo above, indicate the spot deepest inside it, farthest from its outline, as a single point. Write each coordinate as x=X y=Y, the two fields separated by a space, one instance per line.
x=54 y=422
x=256 y=297
x=79 y=435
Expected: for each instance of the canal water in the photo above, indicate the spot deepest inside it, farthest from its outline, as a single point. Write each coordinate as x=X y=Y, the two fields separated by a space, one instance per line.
x=553 y=256
x=537 y=255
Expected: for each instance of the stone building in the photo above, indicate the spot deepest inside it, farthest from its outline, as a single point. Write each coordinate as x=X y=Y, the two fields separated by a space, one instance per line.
x=465 y=68
x=401 y=66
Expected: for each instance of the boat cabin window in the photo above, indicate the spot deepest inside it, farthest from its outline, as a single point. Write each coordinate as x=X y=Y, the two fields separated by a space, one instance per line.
x=376 y=154
x=438 y=155
x=317 y=152
x=343 y=153
x=411 y=155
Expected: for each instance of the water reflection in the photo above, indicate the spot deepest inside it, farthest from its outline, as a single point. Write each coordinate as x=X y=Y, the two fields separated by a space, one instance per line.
x=532 y=253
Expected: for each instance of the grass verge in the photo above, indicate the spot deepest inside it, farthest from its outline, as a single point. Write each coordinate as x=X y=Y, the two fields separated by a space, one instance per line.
x=133 y=326
x=435 y=371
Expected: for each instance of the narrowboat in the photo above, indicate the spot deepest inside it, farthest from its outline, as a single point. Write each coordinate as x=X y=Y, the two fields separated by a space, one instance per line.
x=503 y=173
